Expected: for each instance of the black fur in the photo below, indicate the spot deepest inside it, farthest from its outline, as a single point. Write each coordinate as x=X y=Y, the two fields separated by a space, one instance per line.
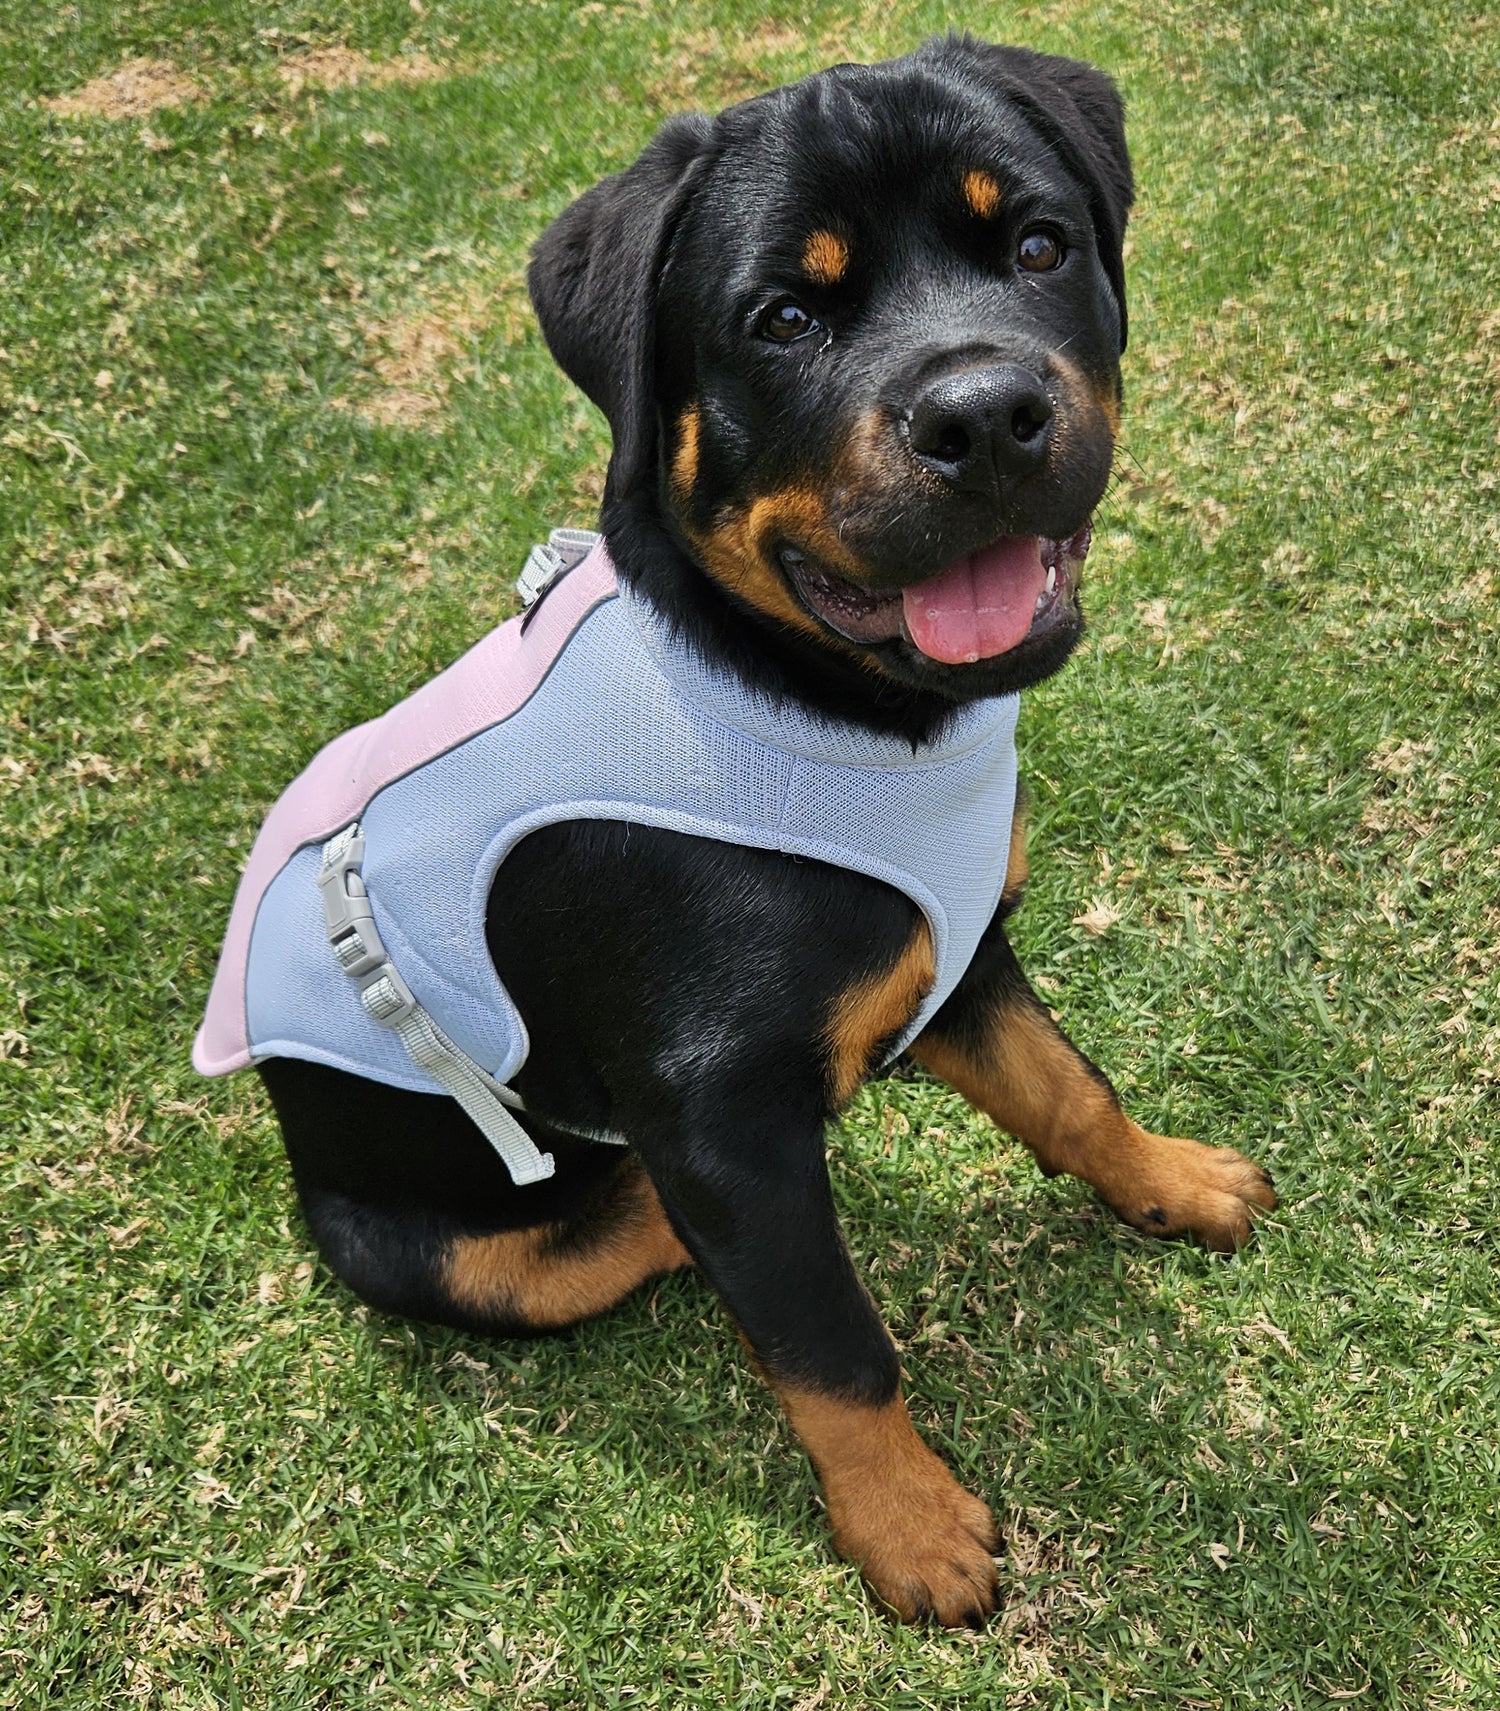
x=636 y=286
x=593 y=284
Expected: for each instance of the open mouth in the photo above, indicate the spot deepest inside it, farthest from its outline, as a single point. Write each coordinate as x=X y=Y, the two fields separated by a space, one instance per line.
x=978 y=607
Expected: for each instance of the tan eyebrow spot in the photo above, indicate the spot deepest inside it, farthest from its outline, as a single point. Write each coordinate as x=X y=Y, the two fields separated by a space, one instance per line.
x=825 y=258
x=982 y=194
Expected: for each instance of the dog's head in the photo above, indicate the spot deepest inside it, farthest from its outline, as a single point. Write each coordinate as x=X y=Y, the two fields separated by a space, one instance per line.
x=858 y=342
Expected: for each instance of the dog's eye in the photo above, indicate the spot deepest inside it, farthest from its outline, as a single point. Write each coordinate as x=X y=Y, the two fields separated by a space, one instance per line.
x=786 y=321
x=1039 y=250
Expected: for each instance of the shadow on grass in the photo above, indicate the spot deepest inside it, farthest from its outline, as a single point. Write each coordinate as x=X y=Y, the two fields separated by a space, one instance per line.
x=1033 y=1330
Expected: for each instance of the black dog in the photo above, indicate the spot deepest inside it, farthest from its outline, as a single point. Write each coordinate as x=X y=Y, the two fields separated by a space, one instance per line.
x=845 y=334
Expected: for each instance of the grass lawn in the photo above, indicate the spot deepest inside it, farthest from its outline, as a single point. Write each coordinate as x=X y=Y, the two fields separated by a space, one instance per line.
x=276 y=429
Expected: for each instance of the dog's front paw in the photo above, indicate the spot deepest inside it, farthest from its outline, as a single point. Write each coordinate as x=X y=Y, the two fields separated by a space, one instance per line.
x=1187 y=1189
x=924 y=1545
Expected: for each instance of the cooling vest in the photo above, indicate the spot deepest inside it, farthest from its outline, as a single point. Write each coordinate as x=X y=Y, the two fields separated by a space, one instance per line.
x=357 y=937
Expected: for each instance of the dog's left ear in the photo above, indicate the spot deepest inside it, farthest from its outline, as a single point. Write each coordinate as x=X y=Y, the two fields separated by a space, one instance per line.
x=1079 y=110
x=594 y=275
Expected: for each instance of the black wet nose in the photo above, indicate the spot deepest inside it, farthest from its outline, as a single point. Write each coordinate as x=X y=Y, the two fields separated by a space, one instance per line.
x=982 y=426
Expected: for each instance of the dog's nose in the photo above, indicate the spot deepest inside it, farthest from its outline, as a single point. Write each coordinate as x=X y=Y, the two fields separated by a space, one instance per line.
x=982 y=426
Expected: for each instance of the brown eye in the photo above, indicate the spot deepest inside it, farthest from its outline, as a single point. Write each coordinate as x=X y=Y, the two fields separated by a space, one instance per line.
x=1040 y=250
x=785 y=322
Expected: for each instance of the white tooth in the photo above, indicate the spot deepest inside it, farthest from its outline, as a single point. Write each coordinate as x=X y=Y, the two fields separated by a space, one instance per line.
x=1051 y=578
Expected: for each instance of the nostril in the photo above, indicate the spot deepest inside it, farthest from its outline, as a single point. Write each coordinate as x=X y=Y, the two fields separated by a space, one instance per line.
x=1026 y=424
x=939 y=433
x=951 y=445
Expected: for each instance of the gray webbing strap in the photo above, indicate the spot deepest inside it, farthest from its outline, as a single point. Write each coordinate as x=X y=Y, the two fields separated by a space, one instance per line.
x=389 y=1001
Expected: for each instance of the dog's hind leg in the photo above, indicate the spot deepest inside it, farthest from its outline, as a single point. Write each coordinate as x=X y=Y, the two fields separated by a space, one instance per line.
x=414 y=1211
x=555 y=1274
x=996 y=1042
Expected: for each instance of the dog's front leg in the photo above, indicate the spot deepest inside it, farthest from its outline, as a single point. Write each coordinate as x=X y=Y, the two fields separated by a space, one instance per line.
x=996 y=1042
x=750 y=1199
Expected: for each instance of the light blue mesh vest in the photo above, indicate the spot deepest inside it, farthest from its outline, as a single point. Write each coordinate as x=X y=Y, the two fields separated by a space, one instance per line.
x=616 y=720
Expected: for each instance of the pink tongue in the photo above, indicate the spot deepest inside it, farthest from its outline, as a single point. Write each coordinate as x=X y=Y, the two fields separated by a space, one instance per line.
x=981 y=605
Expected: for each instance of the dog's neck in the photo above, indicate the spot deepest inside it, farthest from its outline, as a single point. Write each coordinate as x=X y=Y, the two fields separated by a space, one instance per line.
x=655 y=561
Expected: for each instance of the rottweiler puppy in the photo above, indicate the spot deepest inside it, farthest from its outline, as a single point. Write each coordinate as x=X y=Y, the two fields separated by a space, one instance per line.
x=858 y=341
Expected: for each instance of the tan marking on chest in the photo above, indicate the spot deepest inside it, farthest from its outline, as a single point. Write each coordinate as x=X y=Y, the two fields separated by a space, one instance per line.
x=871 y=1012
x=825 y=258
x=1017 y=866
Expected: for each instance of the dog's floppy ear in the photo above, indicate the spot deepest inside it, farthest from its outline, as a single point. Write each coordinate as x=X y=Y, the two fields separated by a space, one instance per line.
x=593 y=277
x=1079 y=110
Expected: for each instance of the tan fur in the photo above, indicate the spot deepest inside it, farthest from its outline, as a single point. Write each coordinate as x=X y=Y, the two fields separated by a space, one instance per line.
x=1086 y=399
x=1017 y=863
x=544 y=1280
x=685 y=457
x=921 y=1541
x=982 y=194
x=736 y=552
x=1106 y=401
x=871 y=463
x=874 y=1010
x=825 y=258
x=1031 y=1081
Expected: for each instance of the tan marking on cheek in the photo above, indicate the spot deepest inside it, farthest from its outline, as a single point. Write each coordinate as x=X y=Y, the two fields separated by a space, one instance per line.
x=801 y=514
x=1091 y=407
x=541 y=1278
x=685 y=457
x=1087 y=395
x=730 y=556
x=982 y=194
x=870 y=465
x=736 y=552
x=825 y=258
x=874 y=1010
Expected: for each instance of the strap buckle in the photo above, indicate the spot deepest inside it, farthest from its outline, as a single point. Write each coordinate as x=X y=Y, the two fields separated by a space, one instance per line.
x=347 y=915
x=563 y=550
x=389 y=1002
x=387 y=999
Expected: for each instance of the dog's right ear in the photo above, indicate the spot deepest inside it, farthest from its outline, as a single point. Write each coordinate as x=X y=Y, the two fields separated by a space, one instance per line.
x=594 y=275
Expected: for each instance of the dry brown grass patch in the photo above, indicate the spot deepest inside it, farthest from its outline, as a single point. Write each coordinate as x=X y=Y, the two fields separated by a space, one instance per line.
x=414 y=357
x=712 y=67
x=707 y=66
x=342 y=68
x=139 y=87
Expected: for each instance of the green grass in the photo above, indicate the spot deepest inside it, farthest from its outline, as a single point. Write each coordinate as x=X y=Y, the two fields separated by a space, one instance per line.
x=1272 y=1480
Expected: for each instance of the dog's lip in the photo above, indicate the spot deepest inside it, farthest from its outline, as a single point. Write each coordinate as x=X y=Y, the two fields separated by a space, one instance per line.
x=856 y=613
x=873 y=617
